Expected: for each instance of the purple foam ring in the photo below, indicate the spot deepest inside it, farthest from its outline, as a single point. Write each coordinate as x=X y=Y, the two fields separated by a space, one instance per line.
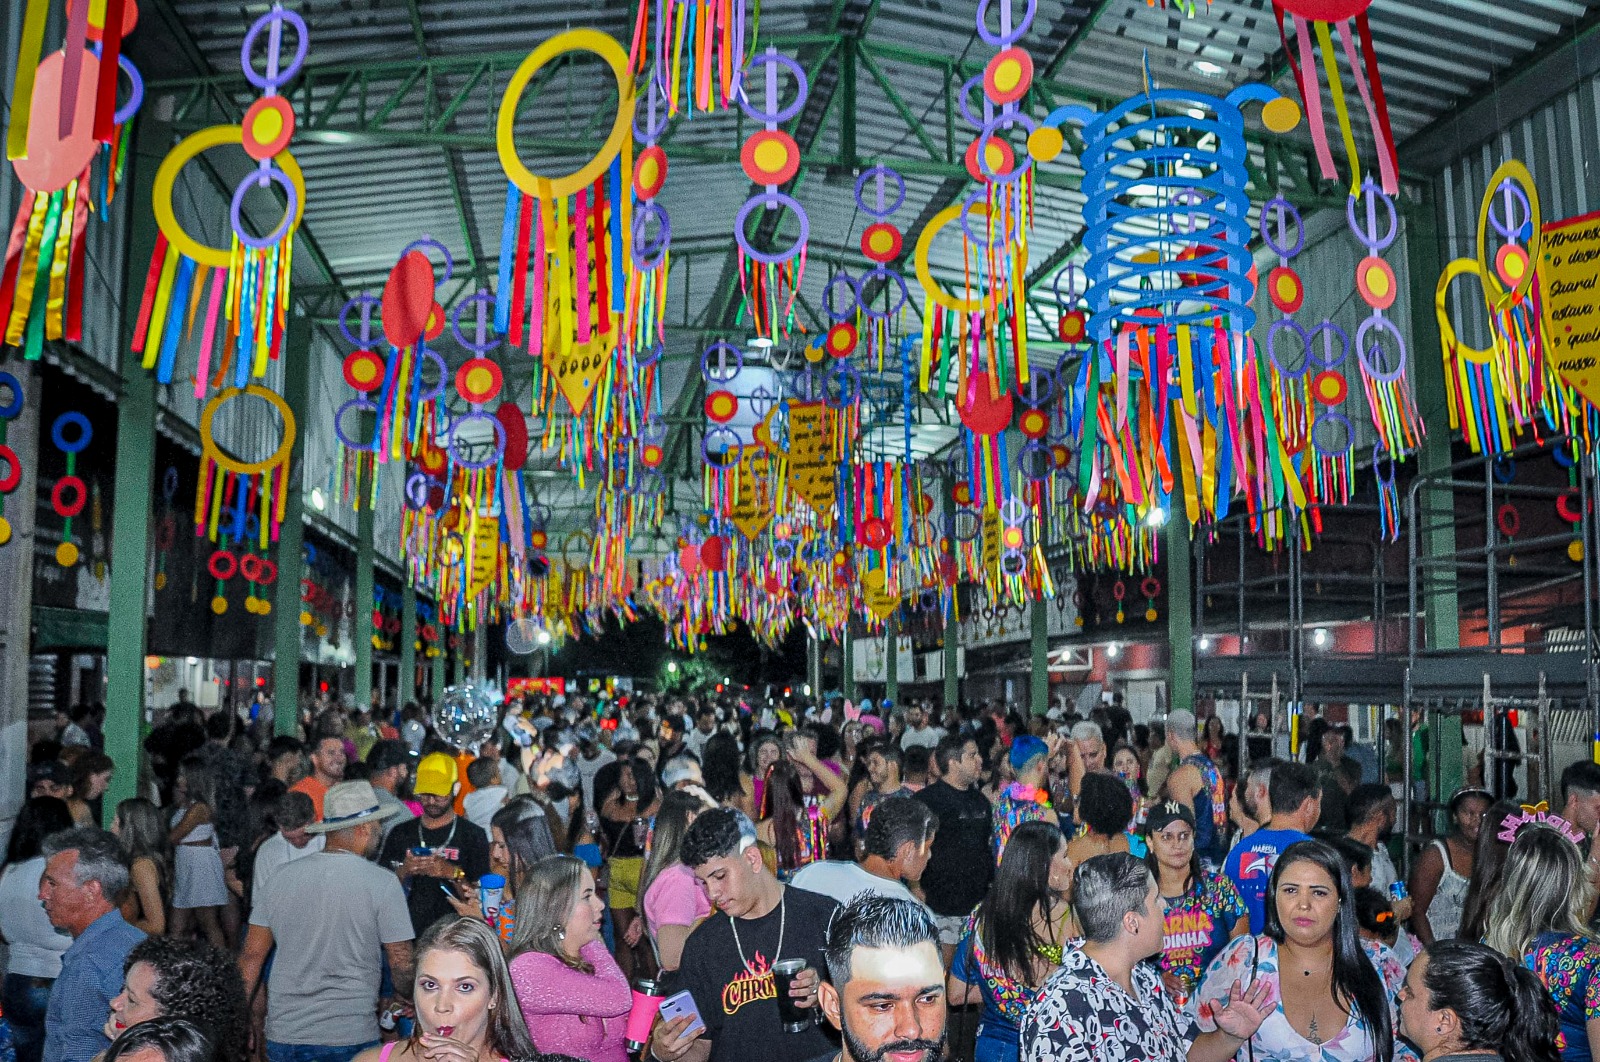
x=1371 y=366
x=1013 y=562
x=722 y=350
x=653 y=113
x=1069 y=271
x=653 y=430
x=363 y=301
x=885 y=276
x=1039 y=390
x=771 y=198
x=648 y=254
x=1274 y=214
x=266 y=173
x=877 y=208
x=849 y=385
x=648 y=356
x=1035 y=461
x=772 y=59
x=444 y=375
x=1288 y=324
x=458 y=445
x=971 y=84
x=484 y=301
x=363 y=405
x=966 y=525
x=1327 y=330
x=169 y=483
x=761 y=401
x=429 y=242
x=721 y=457
x=1003 y=39
x=1511 y=228
x=136 y=90
x=1013 y=512
x=980 y=197
x=1066 y=363
x=1380 y=454
x=807 y=385
x=1184 y=224
x=417 y=485
x=1326 y=421
x=1371 y=195
x=782 y=550
x=1022 y=162
x=13 y=404
x=829 y=305
x=539 y=515
x=276 y=74
x=650 y=483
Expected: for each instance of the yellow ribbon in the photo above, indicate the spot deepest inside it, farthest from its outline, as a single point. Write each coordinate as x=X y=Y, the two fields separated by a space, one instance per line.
x=27 y=271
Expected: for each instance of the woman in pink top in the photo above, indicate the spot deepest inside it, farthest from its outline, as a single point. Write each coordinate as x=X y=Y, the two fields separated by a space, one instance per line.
x=573 y=994
x=674 y=902
x=465 y=1009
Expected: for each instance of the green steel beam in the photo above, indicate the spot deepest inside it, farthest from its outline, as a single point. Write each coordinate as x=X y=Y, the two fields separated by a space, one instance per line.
x=362 y=621
x=134 y=477
x=408 y=641
x=891 y=662
x=1039 y=657
x=286 y=632
x=1180 y=611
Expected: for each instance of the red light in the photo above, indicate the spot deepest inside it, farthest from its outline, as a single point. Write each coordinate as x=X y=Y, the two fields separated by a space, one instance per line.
x=260 y=682
x=322 y=687
x=786 y=691
x=719 y=687
x=608 y=724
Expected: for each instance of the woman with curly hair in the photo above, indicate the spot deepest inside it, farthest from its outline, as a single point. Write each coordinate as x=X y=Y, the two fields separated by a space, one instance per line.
x=188 y=979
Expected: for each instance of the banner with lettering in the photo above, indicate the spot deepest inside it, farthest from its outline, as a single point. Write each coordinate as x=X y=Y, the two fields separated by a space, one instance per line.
x=1571 y=274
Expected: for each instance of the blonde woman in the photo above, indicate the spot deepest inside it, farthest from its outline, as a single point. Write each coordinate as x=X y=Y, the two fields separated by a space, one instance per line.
x=142 y=834
x=1537 y=919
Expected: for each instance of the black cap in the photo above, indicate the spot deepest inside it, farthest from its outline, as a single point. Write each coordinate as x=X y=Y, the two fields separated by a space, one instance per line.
x=1165 y=814
x=53 y=771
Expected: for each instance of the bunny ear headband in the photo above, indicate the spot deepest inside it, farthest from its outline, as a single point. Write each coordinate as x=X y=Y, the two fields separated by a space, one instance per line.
x=1531 y=814
x=852 y=714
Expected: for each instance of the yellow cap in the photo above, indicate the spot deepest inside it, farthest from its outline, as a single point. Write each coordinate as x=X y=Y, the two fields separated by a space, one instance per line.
x=436 y=776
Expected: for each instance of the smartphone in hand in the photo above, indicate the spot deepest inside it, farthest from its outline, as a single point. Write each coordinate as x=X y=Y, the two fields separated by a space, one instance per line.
x=679 y=1005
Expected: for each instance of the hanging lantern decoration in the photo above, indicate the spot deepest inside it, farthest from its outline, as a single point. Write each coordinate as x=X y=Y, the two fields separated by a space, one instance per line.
x=249 y=281
x=1350 y=17
x=771 y=158
x=70 y=494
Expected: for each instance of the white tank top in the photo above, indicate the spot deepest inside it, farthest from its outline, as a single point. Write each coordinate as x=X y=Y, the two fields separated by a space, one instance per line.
x=1444 y=913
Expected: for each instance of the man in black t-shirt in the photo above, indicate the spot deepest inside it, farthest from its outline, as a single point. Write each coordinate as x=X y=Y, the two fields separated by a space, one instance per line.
x=728 y=959
x=457 y=849
x=960 y=866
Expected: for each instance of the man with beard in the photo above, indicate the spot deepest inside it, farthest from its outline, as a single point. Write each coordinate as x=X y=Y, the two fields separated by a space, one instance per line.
x=885 y=989
x=1372 y=813
x=432 y=852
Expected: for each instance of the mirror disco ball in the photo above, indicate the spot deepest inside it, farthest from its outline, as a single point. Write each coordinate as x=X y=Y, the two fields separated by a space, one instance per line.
x=465 y=716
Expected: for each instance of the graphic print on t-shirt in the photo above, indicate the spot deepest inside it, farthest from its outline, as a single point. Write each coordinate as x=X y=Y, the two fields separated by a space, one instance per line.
x=754 y=984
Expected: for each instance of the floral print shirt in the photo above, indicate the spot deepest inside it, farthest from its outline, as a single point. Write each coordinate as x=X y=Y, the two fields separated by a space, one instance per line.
x=1277 y=1040
x=1082 y=1015
x=1569 y=966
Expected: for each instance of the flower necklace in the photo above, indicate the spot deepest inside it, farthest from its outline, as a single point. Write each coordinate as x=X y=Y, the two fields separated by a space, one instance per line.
x=783 y=914
x=1018 y=791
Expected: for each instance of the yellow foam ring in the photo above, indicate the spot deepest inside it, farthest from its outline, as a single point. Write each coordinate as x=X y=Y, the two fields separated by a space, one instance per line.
x=771 y=155
x=1147 y=258
x=305 y=618
x=364 y=370
x=208 y=444
x=993 y=155
x=1281 y=115
x=1574 y=550
x=649 y=170
x=1286 y=288
x=166 y=178
x=881 y=241
x=479 y=380
x=219 y=604
x=263 y=607
x=268 y=124
x=934 y=289
x=67 y=554
x=1460 y=267
x=1377 y=281
x=1045 y=143
x=1495 y=294
x=1513 y=266
x=578 y=40
x=5 y=530
x=1007 y=74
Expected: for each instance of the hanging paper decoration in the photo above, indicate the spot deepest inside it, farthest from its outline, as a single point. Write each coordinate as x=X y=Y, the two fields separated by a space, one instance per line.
x=1350 y=17
x=1383 y=371
x=1536 y=296
x=70 y=494
x=693 y=49
x=11 y=476
x=770 y=157
x=568 y=231
x=258 y=488
x=645 y=328
x=68 y=142
x=249 y=281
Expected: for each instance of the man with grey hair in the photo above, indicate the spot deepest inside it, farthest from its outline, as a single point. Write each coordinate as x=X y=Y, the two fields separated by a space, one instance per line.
x=83 y=881
x=1091 y=744
x=1197 y=784
x=1105 y=1001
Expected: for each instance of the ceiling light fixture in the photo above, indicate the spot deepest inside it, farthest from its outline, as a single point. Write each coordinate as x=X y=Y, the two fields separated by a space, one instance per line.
x=1206 y=68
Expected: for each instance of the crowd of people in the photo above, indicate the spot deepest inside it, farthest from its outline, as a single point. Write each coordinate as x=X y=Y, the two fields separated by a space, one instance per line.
x=688 y=879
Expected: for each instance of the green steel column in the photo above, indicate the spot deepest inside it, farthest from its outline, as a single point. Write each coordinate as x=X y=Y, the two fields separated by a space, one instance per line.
x=1039 y=658
x=436 y=666
x=458 y=658
x=408 y=643
x=136 y=458
x=1180 y=612
x=363 y=617
x=891 y=666
x=952 y=643
x=847 y=664
x=286 y=606
x=1439 y=596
